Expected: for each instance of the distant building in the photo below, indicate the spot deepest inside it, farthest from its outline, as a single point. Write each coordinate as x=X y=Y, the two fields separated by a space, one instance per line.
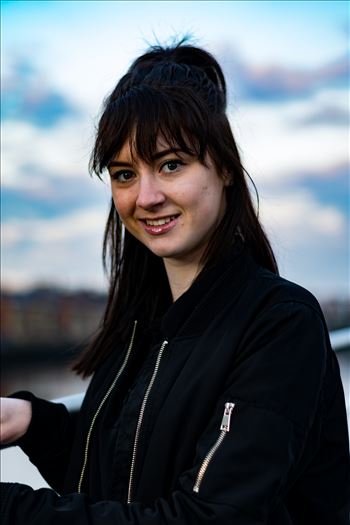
x=44 y=322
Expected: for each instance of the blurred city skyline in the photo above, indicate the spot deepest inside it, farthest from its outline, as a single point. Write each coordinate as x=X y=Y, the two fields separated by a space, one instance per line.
x=287 y=68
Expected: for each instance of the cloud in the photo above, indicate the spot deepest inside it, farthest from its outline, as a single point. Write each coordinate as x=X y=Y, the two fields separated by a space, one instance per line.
x=28 y=97
x=277 y=83
x=327 y=108
x=309 y=239
x=30 y=154
x=64 y=250
x=45 y=173
x=329 y=187
x=70 y=226
x=296 y=216
x=327 y=115
x=52 y=196
x=276 y=151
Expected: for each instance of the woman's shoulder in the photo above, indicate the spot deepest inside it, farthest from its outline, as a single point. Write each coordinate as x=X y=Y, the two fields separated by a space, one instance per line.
x=278 y=289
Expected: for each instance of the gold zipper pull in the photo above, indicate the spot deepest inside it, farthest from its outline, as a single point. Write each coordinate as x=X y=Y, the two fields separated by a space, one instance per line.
x=226 y=418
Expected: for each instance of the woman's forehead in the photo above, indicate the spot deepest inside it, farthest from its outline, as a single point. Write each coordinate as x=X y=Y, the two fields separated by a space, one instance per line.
x=129 y=150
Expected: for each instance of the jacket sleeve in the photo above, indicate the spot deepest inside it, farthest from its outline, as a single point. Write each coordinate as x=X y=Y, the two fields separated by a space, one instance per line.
x=49 y=438
x=284 y=388
x=239 y=476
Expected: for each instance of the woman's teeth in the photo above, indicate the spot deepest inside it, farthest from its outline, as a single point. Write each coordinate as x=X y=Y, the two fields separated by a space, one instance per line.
x=159 y=222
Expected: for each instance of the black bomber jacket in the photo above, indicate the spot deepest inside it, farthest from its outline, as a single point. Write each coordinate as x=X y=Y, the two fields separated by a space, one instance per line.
x=230 y=413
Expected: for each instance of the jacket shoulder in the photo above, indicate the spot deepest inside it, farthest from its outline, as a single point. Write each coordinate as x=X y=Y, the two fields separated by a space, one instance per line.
x=277 y=289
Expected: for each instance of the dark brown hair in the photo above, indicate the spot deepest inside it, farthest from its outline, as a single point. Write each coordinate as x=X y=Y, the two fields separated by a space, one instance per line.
x=177 y=93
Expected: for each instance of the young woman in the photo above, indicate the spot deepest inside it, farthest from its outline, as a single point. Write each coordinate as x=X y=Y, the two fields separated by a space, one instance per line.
x=216 y=397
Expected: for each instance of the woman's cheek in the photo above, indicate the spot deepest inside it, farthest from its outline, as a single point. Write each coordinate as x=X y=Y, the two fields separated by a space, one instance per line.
x=121 y=205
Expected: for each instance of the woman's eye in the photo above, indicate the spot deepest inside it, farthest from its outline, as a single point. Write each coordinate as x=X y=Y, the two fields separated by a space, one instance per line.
x=171 y=166
x=122 y=176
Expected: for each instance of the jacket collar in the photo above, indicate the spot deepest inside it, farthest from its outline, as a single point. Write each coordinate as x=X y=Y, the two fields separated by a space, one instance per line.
x=194 y=309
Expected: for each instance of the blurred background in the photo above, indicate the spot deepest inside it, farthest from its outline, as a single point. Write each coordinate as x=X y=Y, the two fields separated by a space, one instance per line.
x=287 y=68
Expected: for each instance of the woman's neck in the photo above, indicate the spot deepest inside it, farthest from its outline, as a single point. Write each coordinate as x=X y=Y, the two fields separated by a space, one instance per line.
x=180 y=275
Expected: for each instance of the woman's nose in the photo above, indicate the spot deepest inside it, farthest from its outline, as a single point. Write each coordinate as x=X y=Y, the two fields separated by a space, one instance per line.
x=150 y=192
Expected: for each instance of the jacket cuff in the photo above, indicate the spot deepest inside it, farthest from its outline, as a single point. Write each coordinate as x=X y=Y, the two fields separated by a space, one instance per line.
x=42 y=427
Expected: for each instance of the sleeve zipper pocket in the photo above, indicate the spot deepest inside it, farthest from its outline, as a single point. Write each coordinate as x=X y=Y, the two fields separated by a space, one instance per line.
x=224 y=429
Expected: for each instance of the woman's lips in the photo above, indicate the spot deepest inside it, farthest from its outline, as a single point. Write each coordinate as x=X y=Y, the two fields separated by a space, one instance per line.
x=160 y=225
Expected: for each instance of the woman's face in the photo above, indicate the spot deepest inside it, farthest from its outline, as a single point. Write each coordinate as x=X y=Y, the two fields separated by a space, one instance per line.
x=173 y=205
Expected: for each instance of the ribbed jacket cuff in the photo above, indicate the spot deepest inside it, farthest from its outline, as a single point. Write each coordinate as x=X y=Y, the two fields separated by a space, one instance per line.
x=43 y=425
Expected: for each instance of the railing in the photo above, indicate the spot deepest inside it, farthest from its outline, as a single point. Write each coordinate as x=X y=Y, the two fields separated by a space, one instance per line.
x=73 y=402
x=340 y=339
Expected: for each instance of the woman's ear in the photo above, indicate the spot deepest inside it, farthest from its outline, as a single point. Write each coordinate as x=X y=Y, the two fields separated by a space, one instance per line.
x=228 y=179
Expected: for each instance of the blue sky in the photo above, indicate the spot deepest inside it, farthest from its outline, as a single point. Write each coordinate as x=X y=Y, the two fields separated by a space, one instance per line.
x=287 y=67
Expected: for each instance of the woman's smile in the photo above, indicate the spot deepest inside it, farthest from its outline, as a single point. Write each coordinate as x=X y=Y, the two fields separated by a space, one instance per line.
x=159 y=226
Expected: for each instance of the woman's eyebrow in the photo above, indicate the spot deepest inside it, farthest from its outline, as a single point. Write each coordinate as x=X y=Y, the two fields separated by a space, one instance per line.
x=156 y=156
x=165 y=152
x=118 y=163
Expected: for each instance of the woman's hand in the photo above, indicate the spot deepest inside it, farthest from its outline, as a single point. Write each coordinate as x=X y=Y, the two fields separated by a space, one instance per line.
x=15 y=416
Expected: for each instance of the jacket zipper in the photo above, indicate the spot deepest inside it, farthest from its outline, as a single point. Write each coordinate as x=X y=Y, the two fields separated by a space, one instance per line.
x=224 y=428
x=140 y=419
x=106 y=396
